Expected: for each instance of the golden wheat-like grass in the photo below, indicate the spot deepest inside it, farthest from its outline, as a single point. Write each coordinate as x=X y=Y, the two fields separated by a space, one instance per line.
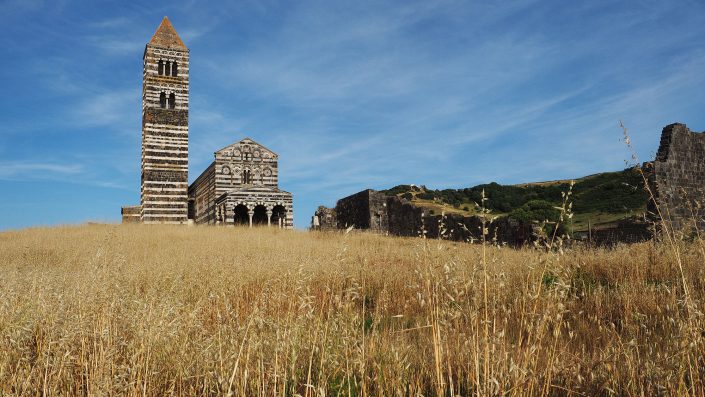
x=158 y=310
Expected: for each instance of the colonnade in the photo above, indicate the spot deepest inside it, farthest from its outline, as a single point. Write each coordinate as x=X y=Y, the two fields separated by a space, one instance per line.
x=226 y=213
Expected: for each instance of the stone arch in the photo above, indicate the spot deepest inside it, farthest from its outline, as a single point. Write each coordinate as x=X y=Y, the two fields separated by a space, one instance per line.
x=259 y=215
x=241 y=215
x=279 y=216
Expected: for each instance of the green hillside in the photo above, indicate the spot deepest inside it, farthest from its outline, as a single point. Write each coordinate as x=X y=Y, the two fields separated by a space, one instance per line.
x=599 y=199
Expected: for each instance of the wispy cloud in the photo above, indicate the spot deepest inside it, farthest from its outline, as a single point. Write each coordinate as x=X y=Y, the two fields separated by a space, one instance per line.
x=32 y=170
x=112 y=108
x=117 y=46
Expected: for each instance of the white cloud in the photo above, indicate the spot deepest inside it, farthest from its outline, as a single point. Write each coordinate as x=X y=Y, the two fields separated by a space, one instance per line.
x=36 y=170
x=118 y=46
x=110 y=108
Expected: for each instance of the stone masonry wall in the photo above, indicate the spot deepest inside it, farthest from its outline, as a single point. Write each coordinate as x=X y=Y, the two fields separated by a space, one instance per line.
x=165 y=94
x=378 y=214
x=324 y=219
x=626 y=231
x=679 y=176
x=202 y=194
x=375 y=211
x=404 y=218
x=469 y=228
x=354 y=210
x=130 y=214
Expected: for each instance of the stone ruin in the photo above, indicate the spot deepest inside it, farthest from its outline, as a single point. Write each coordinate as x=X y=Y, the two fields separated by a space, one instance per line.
x=676 y=178
x=377 y=212
x=324 y=219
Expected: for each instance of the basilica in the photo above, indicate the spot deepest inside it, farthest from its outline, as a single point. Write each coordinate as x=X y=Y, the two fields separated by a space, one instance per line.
x=240 y=186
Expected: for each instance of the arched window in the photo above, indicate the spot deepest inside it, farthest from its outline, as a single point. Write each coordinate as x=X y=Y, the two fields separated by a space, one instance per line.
x=174 y=69
x=246 y=178
x=172 y=101
x=167 y=70
x=162 y=100
x=161 y=67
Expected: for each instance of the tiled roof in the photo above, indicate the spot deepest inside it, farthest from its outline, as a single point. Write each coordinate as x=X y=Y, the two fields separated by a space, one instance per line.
x=166 y=36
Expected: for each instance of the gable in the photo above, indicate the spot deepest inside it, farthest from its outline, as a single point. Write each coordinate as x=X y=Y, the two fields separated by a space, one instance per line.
x=246 y=145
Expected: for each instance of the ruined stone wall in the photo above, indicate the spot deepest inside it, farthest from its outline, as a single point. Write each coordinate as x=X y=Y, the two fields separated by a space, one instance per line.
x=456 y=227
x=679 y=176
x=364 y=210
x=324 y=219
x=404 y=218
x=399 y=217
x=354 y=210
x=626 y=231
x=379 y=219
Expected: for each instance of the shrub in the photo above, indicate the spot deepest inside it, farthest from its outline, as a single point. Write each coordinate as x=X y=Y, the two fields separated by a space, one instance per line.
x=425 y=196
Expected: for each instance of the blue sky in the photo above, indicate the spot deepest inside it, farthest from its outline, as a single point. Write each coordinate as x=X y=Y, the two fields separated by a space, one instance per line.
x=350 y=94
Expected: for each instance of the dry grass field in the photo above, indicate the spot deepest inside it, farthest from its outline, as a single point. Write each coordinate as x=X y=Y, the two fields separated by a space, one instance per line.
x=156 y=310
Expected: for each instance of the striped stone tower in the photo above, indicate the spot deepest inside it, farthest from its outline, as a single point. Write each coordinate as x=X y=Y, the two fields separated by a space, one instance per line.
x=165 y=92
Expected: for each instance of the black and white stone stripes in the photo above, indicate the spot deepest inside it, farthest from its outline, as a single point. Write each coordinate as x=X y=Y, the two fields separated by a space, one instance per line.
x=164 y=187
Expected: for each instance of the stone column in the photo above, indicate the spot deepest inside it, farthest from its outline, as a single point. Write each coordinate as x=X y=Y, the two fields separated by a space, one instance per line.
x=229 y=216
x=269 y=217
x=251 y=213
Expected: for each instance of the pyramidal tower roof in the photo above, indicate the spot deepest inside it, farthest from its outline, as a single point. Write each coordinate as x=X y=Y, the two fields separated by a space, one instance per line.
x=166 y=36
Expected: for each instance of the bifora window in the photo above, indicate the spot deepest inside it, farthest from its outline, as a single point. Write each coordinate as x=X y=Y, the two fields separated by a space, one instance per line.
x=168 y=68
x=167 y=101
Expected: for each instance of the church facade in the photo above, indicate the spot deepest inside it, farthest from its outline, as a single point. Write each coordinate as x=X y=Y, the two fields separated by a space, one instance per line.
x=240 y=187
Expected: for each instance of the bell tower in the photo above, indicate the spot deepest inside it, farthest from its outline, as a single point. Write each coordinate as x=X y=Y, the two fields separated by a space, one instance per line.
x=165 y=96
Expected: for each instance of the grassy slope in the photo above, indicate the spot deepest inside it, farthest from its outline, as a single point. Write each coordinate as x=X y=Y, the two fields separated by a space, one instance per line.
x=599 y=199
x=157 y=310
